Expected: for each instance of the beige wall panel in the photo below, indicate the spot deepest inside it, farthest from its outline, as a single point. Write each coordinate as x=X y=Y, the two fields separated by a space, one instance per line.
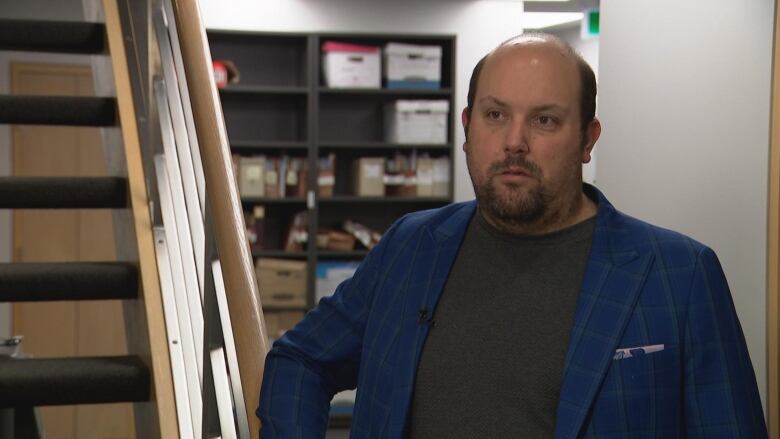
x=67 y=328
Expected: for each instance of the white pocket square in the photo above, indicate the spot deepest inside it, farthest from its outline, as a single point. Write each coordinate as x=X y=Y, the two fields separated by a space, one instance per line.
x=637 y=351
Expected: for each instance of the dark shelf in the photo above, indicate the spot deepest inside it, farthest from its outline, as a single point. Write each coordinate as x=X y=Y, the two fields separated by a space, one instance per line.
x=358 y=199
x=278 y=254
x=264 y=89
x=272 y=117
x=268 y=144
x=282 y=106
x=383 y=145
x=340 y=421
x=331 y=254
x=441 y=92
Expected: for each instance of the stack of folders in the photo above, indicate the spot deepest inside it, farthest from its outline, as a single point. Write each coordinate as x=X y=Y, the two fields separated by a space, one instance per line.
x=433 y=176
x=271 y=177
x=402 y=176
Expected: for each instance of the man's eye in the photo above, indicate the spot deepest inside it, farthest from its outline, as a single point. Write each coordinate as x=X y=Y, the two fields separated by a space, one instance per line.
x=546 y=121
x=494 y=115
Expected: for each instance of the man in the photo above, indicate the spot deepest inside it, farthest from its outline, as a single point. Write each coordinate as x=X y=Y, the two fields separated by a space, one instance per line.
x=537 y=311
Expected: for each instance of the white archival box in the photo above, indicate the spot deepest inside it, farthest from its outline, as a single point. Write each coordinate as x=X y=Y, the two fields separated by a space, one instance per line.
x=412 y=66
x=350 y=66
x=417 y=121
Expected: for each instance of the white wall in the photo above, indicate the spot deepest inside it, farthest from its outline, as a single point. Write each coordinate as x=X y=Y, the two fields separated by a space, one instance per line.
x=480 y=25
x=685 y=98
x=589 y=49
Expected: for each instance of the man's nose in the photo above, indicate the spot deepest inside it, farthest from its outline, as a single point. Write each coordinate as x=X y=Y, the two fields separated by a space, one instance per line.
x=516 y=140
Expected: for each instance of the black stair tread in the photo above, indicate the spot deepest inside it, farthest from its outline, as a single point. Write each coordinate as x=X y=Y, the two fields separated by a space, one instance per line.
x=52 y=36
x=27 y=282
x=63 y=192
x=77 y=380
x=58 y=110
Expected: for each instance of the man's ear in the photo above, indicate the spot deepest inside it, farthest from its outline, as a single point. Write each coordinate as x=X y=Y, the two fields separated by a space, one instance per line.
x=592 y=134
x=465 y=119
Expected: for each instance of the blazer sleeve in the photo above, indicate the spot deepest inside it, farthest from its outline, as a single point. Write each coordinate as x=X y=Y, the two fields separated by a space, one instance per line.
x=720 y=391
x=319 y=357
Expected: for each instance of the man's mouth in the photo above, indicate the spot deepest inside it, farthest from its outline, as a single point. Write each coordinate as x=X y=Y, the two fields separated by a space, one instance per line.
x=519 y=171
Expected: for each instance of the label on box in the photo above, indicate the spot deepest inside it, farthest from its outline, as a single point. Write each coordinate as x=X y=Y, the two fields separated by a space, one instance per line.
x=372 y=171
x=292 y=178
x=326 y=180
x=253 y=172
x=425 y=176
x=394 y=179
x=441 y=174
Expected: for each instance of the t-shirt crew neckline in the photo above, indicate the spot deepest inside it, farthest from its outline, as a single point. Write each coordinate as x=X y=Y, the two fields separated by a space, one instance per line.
x=575 y=232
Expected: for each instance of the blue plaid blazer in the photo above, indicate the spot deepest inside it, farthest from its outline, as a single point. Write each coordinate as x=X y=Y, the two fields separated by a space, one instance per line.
x=644 y=287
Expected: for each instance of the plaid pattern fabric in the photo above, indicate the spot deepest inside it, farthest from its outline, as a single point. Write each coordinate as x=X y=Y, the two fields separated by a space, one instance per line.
x=644 y=286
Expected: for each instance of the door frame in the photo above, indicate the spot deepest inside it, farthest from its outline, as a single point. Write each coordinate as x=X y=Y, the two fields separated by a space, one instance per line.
x=773 y=246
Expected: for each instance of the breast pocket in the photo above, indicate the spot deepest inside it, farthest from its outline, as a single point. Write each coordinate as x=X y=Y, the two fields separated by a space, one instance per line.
x=642 y=390
x=657 y=371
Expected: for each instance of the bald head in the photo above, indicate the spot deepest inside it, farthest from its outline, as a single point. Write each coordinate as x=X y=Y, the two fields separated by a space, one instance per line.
x=587 y=79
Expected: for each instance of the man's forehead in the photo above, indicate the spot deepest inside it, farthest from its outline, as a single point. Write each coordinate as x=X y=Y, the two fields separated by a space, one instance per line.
x=532 y=49
x=516 y=59
x=549 y=74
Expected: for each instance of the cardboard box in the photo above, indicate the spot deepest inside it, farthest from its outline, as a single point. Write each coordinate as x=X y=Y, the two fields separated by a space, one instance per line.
x=400 y=178
x=282 y=282
x=326 y=175
x=416 y=121
x=251 y=181
x=412 y=67
x=441 y=177
x=272 y=178
x=279 y=322
x=424 y=176
x=350 y=65
x=369 y=173
x=297 y=178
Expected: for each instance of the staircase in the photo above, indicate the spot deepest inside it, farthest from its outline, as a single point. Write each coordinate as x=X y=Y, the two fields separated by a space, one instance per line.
x=189 y=289
x=144 y=376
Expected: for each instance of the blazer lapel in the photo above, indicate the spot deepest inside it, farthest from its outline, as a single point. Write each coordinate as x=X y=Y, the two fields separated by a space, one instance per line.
x=613 y=279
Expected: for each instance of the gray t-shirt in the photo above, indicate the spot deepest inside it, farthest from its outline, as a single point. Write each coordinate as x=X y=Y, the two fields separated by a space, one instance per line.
x=492 y=365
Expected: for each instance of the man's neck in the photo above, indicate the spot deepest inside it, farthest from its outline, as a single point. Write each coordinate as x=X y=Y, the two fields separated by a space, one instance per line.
x=579 y=209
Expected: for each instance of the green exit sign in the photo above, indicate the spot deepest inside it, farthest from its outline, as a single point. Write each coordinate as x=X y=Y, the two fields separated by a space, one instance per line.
x=590 y=23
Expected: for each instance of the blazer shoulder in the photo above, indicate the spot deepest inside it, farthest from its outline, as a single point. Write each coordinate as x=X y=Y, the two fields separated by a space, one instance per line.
x=451 y=215
x=669 y=245
x=449 y=220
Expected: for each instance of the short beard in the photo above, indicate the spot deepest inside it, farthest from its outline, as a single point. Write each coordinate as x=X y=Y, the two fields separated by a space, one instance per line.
x=512 y=208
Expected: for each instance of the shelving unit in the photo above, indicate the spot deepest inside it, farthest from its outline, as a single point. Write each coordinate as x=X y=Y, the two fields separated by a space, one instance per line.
x=282 y=106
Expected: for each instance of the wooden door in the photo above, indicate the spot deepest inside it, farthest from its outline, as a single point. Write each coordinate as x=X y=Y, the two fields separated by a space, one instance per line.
x=57 y=329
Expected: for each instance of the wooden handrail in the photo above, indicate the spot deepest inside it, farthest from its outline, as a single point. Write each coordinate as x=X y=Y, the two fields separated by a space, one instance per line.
x=225 y=205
